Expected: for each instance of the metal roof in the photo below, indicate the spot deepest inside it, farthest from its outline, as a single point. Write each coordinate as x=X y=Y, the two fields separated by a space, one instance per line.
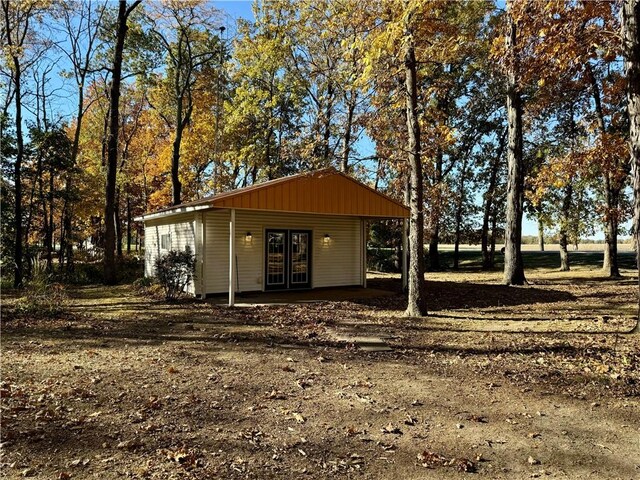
x=325 y=191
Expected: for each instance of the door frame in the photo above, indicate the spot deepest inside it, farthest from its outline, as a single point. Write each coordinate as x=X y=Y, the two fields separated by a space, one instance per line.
x=287 y=259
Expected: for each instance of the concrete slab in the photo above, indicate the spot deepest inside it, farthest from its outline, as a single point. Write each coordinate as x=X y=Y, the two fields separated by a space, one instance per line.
x=366 y=344
x=337 y=294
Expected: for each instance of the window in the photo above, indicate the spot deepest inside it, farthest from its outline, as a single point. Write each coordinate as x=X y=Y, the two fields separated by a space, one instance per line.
x=165 y=241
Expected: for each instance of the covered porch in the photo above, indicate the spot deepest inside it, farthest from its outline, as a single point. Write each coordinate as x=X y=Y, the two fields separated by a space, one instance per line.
x=287 y=297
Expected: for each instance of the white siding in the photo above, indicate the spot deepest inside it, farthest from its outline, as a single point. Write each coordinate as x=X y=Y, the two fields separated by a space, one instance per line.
x=336 y=263
x=182 y=231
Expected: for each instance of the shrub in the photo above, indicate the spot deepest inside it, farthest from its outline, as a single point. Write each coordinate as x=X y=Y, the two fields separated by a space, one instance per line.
x=174 y=271
x=381 y=259
x=42 y=298
x=147 y=287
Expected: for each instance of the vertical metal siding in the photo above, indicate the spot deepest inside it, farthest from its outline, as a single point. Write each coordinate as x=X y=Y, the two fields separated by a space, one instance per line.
x=182 y=230
x=334 y=264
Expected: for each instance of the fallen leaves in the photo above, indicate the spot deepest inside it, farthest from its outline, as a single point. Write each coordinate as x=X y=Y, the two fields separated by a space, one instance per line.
x=183 y=456
x=154 y=406
x=429 y=459
x=391 y=429
x=131 y=444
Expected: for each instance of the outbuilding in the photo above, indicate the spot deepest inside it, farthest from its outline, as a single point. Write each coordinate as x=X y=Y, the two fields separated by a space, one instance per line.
x=299 y=232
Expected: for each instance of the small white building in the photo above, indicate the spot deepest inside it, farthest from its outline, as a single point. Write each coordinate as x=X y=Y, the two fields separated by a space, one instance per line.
x=299 y=232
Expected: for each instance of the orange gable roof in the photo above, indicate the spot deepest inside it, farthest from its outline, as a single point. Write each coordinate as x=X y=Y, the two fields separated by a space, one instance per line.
x=324 y=191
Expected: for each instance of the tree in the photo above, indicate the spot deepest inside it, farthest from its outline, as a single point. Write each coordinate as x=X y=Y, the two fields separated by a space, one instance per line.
x=80 y=23
x=631 y=49
x=17 y=34
x=265 y=109
x=513 y=264
x=112 y=143
x=571 y=47
x=416 y=303
x=184 y=31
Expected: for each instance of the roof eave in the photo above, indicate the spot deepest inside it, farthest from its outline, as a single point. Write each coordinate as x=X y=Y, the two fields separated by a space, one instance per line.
x=173 y=211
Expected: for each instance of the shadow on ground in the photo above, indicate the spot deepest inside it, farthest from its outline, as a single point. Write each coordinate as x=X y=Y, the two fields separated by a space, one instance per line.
x=464 y=295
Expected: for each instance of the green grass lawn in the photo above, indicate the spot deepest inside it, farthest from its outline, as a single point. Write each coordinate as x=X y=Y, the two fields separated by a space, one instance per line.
x=533 y=260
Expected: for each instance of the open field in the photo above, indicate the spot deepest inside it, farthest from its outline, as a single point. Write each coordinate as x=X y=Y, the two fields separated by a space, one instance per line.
x=471 y=258
x=510 y=382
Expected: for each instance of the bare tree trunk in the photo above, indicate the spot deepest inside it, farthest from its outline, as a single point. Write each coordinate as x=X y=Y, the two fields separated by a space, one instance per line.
x=112 y=143
x=416 y=299
x=610 y=262
x=176 y=185
x=459 y=211
x=631 y=46
x=492 y=248
x=346 y=149
x=118 y=221
x=611 y=193
x=513 y=265
x=540 y=234
x=487 y=258
x=434 y=217
x=128 y=224
x=51 y=226
x=564 y=225
x=327 y=124
x=17 y=168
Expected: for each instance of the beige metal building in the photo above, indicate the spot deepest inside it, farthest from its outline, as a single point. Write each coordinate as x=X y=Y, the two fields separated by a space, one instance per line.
x=299 y=232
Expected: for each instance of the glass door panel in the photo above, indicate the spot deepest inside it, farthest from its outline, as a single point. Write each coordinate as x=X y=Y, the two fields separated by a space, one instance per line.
x=276 y=259
x=299 y=258
x=287 y=259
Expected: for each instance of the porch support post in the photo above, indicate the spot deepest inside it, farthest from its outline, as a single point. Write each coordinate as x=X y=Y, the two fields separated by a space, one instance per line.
x=232 y=257
x=200 y=255
x=364 y=234
x=405 y=244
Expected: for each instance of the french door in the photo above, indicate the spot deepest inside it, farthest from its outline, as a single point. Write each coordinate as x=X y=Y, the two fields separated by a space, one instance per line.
x=287 y=259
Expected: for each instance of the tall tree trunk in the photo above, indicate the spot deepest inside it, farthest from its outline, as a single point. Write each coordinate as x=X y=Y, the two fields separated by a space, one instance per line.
x=434 y=217
x=564 y=226
x=631 y=44
x=112 y=143
x=68 y=203
x=459 y=211
x=17 y=168
x=176 y=185
x=51 y=225
x=45 y=219
x=128 y=224
x=487 y=258
x=513 y=265
x=610 y=261
x=267 y=156
x=118 y=221
x=540 y=234
x=611 y=192
x=346 y=148
x=327 y=125
x=492 y=247
x=416 y=304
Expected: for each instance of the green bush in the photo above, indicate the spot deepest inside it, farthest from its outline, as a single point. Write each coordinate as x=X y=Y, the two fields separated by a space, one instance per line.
x=42 y=298
x=381 y=259
x=174 y=271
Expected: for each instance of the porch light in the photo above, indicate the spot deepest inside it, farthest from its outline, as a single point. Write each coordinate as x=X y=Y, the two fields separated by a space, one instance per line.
x=327 y=238
x=249 y=237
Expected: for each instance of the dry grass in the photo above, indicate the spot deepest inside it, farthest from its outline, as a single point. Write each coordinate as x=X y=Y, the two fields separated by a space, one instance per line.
x=510 y=382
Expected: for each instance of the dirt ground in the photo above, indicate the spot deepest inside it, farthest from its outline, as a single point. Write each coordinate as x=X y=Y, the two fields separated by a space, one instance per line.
x=511 y=383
